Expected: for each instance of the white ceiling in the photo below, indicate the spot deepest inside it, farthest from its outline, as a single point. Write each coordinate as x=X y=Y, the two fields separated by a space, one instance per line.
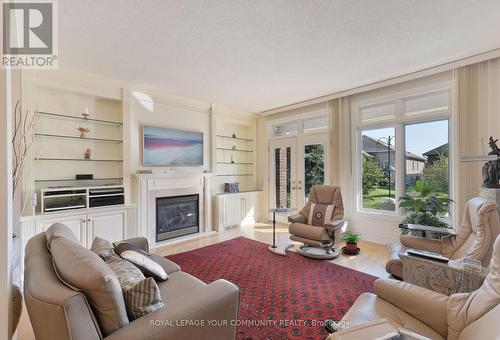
x=257 y=55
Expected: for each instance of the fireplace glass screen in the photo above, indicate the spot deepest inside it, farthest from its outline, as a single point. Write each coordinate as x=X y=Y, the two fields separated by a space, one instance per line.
x=176 y=216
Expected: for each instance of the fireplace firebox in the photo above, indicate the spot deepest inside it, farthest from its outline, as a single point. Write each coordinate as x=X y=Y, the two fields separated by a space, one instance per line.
x=177 y=216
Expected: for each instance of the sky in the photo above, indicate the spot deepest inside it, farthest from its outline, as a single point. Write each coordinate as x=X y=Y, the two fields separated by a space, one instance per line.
x=420 y=138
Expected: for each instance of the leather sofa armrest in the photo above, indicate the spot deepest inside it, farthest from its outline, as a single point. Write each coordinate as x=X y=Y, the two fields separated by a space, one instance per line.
x=335 y=224
x=297 y=218
x=140 y=242
x=421 y=243
x=167 y=265
x=424 y=304
x=377 y=329
x=208 y=313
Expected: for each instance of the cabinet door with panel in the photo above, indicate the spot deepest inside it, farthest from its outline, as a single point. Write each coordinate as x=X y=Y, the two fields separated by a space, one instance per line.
x=249 y=208
x=232 y=211
x=76 y=223
x=108 y=225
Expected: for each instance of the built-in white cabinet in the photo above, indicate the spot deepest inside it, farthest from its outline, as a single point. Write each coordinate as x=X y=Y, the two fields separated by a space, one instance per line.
x=237 y=209
x=112 y=223
x=108 y=225
x=77 y=224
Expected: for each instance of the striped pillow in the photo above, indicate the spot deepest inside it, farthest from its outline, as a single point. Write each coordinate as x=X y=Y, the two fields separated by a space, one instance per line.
x=143 y=298
x=141 y=294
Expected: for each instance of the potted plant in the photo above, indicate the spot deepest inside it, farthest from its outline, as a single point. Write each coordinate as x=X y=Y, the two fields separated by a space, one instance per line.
x=351 y=242
x=424 y=205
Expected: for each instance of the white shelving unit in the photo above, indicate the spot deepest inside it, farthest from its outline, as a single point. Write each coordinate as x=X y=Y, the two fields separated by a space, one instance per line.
x=58 y=153
x=234 y=153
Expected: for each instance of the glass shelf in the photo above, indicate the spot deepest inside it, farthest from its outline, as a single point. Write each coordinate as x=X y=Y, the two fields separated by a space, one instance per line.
x=239 y=163
x=78 y=138
x=235 y=175
x=78 y=159
x=240 y=150
x=235 y=138
x=92 y=120
x=78 y=180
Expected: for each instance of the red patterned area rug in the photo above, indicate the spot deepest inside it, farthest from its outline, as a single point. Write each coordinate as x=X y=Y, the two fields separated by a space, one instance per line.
x=281 y=297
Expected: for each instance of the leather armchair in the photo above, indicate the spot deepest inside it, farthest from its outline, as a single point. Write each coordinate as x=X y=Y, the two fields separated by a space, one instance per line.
x=461 y=316
x=475 y=236
x=324 y=234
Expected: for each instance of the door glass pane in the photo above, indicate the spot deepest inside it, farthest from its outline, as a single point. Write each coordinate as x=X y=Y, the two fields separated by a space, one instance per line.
x=378 y=169
x=282 y=159
x=427 y=149
x=314 y=166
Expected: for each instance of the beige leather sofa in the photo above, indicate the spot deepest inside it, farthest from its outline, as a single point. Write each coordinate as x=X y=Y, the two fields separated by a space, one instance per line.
x=479 y=229
x=58 y=312
x=465 y=316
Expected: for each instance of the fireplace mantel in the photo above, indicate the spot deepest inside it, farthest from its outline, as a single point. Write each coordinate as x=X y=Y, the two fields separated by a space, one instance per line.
x=147 y=187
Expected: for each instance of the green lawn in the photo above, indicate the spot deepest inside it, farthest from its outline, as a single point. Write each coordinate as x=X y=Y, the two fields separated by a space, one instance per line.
x=374 y=196
x=372 y=201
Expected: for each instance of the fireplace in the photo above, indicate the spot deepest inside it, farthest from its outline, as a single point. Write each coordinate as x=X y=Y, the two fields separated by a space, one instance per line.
x=177 y=216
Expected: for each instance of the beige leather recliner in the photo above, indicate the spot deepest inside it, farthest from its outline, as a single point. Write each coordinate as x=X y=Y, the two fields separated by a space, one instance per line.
x=59 y=312
x=324 y=234
x=464 y=316
x=475 y=236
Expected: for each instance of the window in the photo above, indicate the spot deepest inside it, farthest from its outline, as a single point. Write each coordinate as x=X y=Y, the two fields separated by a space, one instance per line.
x=427 y=104
x=426 y=144
x=378 y=112
x=403 y=138
x=285 y=129
x=378 y=183
x=315 y=123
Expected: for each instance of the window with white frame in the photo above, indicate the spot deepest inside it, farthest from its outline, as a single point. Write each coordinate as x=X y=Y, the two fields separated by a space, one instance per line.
x=402 y=138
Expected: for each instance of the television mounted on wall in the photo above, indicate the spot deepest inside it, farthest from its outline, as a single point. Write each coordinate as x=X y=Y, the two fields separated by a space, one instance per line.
x=171 y=147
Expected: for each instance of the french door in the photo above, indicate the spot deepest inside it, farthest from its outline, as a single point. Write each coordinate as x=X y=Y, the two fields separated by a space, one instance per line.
x=296 y=165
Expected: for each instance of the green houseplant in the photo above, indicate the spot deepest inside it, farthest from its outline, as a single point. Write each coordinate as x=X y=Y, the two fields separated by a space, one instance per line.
x=424 y=206
x=351 y=241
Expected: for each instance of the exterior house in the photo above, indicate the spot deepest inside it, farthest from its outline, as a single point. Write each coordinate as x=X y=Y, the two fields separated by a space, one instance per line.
x=434 y=154
x=378 y=150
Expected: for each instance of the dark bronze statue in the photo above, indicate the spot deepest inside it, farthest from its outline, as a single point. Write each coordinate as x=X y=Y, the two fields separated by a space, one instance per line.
x=491 y=170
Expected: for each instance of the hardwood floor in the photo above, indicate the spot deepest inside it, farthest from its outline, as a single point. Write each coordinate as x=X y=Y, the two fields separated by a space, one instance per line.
x=371 y=260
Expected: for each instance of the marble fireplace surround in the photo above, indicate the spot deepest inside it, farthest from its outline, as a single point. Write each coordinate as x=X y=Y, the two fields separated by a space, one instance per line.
x=148 y=187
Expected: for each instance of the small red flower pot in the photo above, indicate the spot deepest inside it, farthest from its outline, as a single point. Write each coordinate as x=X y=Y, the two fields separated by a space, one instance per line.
x=351 y=246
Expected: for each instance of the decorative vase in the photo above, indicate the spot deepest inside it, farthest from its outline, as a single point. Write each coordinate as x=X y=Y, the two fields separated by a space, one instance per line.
x=87 y=153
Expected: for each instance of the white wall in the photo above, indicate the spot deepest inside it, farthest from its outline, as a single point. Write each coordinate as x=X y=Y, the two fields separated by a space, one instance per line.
x=6 y=207
x=154 y=109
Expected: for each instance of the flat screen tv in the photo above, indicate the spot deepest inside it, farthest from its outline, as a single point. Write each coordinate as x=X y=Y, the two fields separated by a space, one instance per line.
x=171 y=147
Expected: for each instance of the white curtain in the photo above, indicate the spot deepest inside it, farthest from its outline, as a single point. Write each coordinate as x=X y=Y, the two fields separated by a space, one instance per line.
x=478 y=108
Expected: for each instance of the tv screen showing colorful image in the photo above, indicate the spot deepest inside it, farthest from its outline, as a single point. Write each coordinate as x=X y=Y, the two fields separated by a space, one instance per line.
x=172 y=147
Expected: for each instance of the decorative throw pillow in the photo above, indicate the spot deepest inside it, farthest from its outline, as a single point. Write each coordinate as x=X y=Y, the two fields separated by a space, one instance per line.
x=141 y=296
x=144 y=261
x=59 y=230
x=319 y=214
x=103 y=248
x=83 y=269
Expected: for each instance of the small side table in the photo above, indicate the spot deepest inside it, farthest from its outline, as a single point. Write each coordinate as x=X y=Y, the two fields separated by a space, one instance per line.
x=274 y=248
x=445 y=278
